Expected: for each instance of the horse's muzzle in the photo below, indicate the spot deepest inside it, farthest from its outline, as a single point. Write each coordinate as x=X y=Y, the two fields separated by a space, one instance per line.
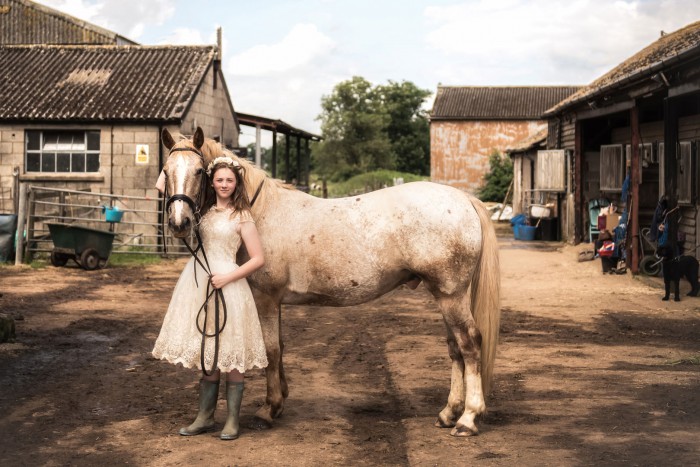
x=182 y=229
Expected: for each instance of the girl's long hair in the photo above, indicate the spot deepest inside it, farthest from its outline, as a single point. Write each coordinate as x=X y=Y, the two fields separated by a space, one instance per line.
x=239 y=199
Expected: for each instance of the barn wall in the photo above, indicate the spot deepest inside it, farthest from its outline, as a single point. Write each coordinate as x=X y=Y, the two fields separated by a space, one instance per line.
x=459 y=151
x=118 y=166
x=689 y=130
x=211 y=111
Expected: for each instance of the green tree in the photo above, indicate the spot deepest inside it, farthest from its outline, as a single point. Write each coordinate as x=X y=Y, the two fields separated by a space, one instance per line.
x=497 y=180
x=408 y=129
x=354 y=127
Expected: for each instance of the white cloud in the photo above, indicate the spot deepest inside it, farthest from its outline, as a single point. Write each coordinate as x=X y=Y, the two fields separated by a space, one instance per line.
x=545 y=42
x=126 y=17
x=303 y=44
x=184 y=36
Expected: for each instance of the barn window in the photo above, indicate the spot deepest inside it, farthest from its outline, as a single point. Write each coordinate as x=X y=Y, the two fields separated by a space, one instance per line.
x=51 y=151
x=686 y=169
x=612 y=167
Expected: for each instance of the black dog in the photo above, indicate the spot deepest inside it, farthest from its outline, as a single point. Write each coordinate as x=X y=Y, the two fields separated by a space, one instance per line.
x=674 y=268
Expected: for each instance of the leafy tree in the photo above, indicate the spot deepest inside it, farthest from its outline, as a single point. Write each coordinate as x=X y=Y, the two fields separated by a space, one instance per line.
x=354 y=126
x=497 y=180
x=408 y=129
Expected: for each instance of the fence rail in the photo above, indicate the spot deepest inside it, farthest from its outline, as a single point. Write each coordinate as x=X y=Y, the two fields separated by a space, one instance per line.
x=139 y=231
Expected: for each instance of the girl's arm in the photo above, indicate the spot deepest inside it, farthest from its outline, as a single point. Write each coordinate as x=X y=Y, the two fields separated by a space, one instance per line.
x=251 y=239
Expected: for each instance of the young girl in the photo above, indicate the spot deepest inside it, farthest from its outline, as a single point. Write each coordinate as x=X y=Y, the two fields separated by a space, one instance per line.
x=241 y=345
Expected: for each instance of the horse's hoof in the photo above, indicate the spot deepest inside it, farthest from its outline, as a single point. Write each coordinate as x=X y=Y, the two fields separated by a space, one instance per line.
x=259 y=424
x=440 y=424
x=464 y=431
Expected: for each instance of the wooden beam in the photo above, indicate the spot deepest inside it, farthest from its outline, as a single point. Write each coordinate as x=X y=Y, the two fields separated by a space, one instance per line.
x=579 y=233
x=602 y=111
x=634 y=179
x=273 y=167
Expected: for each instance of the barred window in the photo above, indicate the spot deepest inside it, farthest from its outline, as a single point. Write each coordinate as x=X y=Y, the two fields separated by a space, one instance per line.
x=67 y=151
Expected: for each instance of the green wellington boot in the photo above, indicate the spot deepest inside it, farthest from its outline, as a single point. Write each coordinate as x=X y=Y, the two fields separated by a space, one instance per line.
x=208 y=394
x=234 y=396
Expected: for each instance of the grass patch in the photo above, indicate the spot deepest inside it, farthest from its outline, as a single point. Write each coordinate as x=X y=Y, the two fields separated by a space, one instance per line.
x=133 y=259
x=694 y=360
x=370 y=181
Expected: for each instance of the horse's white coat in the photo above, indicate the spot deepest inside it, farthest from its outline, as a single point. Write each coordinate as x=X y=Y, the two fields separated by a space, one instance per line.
x=348 y=251
x=180 y=177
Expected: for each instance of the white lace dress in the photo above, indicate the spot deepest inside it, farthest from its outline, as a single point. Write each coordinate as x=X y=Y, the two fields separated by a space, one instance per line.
x=241 y=345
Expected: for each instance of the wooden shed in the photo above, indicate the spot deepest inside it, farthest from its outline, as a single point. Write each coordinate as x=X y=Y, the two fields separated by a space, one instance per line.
x=641 y=118
x=469 y=123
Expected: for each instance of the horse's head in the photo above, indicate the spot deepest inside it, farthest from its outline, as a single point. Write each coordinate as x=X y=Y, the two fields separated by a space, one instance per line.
x=185 y=181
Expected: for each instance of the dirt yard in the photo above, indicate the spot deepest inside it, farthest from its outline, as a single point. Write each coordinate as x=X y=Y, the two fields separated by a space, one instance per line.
x=592 y=370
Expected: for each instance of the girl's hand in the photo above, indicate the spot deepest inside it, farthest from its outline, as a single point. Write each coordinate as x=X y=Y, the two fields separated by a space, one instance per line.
x=220 y=280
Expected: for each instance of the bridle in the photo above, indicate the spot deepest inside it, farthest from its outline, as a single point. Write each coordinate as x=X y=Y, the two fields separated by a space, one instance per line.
x=219 y=301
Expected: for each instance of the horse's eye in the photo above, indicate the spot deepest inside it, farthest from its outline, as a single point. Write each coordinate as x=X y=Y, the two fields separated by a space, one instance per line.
x=200 y=171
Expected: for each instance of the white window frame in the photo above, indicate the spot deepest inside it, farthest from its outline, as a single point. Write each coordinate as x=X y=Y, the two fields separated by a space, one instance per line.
x=80 y=149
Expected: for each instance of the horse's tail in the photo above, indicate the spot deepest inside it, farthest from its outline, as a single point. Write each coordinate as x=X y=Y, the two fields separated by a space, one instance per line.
x=485 y=295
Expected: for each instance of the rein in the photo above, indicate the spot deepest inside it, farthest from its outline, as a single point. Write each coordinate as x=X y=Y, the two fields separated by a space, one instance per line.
x=219 y=301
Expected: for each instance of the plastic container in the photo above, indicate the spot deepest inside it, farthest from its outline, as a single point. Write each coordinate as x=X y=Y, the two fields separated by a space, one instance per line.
x=527 y=232
x=537 y=210
x=113 y=214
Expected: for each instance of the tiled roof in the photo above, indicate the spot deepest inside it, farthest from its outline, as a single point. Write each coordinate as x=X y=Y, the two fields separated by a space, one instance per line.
x=26 y=22
x=496 y=102
x=100 y=83
x=532 y=141
x=662 y=53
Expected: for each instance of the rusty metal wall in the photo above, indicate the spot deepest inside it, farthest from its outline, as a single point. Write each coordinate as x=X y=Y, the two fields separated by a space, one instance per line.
x=460 y=150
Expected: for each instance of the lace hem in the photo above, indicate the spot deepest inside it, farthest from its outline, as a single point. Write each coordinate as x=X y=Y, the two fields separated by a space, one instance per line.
x=225 y=366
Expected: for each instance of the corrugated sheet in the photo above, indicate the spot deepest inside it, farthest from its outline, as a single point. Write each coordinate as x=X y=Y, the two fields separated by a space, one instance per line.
x=100 y=83
x=641 y=64
x=25 y=22
x=497 y=103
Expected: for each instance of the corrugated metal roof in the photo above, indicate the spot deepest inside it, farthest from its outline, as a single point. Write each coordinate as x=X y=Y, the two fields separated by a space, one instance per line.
x=100 y=83
x=650 y=60
x=496 y=102
x=25 y=22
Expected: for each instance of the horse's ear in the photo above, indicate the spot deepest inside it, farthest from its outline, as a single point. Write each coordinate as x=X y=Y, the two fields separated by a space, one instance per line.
x=198 y=138
x=168 y=140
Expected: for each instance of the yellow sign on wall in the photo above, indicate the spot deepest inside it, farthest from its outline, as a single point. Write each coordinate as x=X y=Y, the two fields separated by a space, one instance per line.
x=142 y=154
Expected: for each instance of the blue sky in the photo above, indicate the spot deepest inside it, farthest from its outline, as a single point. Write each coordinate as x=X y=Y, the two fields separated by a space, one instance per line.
x=281 y=57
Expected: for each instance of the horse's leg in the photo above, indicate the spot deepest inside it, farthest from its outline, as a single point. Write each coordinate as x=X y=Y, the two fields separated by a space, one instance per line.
x=467 y=340
x=455 y=401
x=268 y=311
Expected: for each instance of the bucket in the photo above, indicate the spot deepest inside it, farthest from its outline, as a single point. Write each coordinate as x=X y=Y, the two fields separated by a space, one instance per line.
x=113 y=214
x=527 y=232
x=516 y=231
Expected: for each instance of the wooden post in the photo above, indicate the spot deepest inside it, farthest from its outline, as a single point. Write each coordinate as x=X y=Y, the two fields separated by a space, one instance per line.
x=21 y=219
x=307 y=164
x=31 y=210
x=287 y=140
x=299 y=160
x=634 y=182
x=505 y=200
x=273 y=163
x=579 y=208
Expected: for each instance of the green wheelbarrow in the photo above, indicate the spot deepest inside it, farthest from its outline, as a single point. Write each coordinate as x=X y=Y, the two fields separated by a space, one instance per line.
x=89 y=248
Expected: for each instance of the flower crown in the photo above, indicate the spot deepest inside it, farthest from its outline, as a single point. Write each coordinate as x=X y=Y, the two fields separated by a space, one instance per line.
x=222 y=160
